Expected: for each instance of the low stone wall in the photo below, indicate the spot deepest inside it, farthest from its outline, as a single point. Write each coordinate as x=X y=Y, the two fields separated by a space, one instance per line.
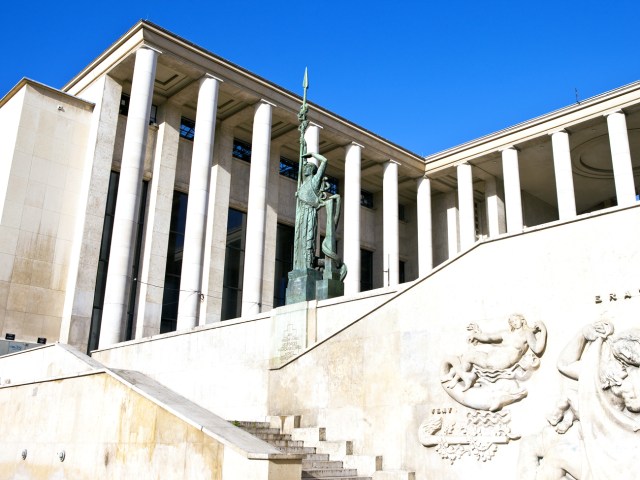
x=121 y=424
x=389 y=383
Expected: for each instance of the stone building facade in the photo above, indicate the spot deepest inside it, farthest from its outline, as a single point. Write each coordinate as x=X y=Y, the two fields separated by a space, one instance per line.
x=147 y=213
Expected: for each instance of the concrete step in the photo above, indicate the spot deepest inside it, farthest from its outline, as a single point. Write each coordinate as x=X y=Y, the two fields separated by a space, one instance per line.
x=249 y=425
x=300 y=450
x=310 y=436
x=329 y=473
x=286 y=443
x=262 y=431
x=320 y=464
x=365 y=464
x=394 y=475
x=337 y=449
x=270 y=437
x=317 y=456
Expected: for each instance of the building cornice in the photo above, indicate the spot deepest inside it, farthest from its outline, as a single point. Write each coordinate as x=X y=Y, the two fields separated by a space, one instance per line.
x=53 y=91
x=546 y=124
x=145 y=32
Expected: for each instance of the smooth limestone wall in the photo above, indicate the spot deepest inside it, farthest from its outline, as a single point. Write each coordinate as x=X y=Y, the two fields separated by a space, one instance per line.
x=206 y=364
x=224 y=366
x=378 y=380
x=40 y=210
x=56 y=401
x=105 y=431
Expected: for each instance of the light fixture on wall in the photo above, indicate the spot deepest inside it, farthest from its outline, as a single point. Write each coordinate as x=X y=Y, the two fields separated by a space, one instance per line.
x=9 y=336
x=42 y=340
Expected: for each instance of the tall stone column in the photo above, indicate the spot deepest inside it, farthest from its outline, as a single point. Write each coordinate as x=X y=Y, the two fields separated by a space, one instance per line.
x=621 y=158
x=425 y=239
x=257 y=209
x=216 y=233
x=312 y=137
x=465 y=206
x=495 y=207
x=194 y=233
x=390 y=234
x=453 y=230
x=156 y=239
x=271 y=228
x=564 y=175
x=352 y=161
x=512 y=193
x=128 y=202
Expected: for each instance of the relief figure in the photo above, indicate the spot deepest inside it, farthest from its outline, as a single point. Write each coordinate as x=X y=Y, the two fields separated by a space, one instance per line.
x=593 y=432
x=487 y=376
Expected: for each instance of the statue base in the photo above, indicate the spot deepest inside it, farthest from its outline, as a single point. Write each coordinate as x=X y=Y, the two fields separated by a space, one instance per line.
x=329 y=288
x=302 y=285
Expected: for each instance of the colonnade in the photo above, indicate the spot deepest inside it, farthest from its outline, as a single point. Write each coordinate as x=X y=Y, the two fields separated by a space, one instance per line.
x=208 y=202
x=510 y=212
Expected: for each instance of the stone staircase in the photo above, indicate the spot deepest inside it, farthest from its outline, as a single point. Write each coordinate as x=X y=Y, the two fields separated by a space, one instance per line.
x=318 y=453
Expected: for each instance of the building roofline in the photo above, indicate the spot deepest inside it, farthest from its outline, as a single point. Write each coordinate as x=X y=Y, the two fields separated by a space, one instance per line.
x=27 y=81
x=143 y=25
x=555 y=114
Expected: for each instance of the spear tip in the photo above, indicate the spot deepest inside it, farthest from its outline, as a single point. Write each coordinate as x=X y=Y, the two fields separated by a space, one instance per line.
x=305 y=80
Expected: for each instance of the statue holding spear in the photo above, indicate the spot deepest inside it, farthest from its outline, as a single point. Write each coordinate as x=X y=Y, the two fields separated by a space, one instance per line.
x=312 y=195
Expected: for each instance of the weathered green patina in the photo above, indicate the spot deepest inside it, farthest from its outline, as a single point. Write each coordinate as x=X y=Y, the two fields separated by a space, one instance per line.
x=313 y=277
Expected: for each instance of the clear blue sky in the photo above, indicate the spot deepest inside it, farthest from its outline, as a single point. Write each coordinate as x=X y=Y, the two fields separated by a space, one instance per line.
x=425 y=75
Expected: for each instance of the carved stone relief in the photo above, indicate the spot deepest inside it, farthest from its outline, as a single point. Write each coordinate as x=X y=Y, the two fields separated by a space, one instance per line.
x=593 y=433
x=489 y=375
x=479 y=435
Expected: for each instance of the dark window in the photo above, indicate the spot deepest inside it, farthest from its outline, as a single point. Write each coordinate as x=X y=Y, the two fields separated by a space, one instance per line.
x=284 y=263
x=333 y=184
x=187 y=128
x=402 y=215
x=288 y=168
x=103 y=262
x=124 y=108
x=173 y=271
x=366 y=199
x=242 y=150
x=124 y=104
x=401 y=275
x=233 y=265
x=366 y=270
x=153 y=115
x=135 y=268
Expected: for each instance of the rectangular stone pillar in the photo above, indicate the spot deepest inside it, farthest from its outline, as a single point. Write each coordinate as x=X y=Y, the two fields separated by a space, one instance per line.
x=105 y=93
x=216 y=232
x=425 y=222
x=465 y=206
x=512 y=193
x=271 y=229
x=494 y=200
x=453 y=245
x=391 y=248
x=156 y=239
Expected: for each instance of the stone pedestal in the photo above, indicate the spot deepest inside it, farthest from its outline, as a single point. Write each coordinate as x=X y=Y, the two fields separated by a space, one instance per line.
x=293 y=330
x=302 y=285
x=329 y=288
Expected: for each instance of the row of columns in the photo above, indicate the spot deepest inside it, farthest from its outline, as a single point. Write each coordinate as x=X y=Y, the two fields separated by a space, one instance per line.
x=209 y=188
x=463 y=225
